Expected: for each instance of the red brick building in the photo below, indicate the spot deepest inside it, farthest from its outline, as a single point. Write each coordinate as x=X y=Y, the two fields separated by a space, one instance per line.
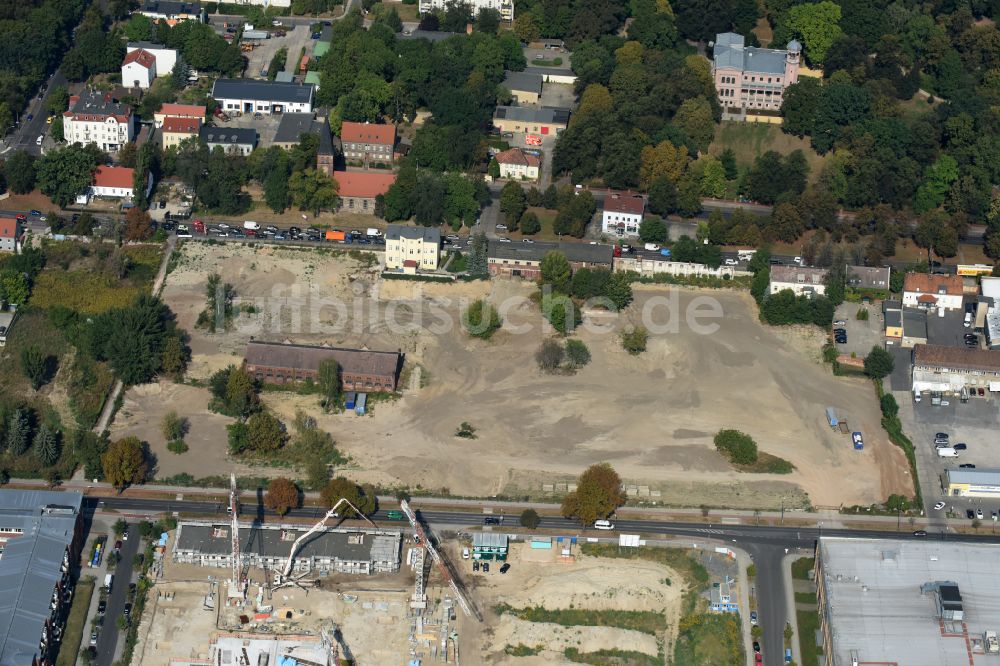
x=360 y=370
x=524 y=259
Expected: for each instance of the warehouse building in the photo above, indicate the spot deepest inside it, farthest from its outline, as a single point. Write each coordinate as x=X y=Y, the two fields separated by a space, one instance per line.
x=41 y=533
x=905 y=601
x=972 y=482
x=941 y=368
x=335 y=550
x=360 y=369
x=524 y=259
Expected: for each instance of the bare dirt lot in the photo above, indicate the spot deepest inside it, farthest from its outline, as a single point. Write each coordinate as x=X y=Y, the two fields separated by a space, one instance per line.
x=536 y=579
x=652 y=416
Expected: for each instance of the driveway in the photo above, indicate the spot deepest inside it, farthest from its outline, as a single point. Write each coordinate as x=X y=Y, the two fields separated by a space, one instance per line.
x=107 y=641
x=862 y=335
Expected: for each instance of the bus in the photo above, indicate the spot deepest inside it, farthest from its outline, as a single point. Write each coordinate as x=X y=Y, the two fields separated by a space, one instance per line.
x=974 y=270
x=394 y=515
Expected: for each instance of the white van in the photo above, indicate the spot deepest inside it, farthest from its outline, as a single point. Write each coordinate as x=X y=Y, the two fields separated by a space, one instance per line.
x=38 y=141
x=252 y=226
x=652 y=247
x=373 y=233
x=603 y=525
x=947 y=452
x=968 y=319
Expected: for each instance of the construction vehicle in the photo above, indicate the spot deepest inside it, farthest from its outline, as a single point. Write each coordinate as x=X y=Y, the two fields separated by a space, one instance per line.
x=992 y=645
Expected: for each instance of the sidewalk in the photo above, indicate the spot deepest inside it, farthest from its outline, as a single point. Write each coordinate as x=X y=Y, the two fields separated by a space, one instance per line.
x=786 y=570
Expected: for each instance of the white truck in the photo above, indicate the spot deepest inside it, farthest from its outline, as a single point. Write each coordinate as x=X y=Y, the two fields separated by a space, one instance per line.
x=992 y=644
x=947 y=452
x=109 y=580
x=251 y=226
x=373 y=232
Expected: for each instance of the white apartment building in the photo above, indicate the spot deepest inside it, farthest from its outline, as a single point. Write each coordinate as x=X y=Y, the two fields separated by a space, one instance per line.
x=93 y=117
x=409 y=249
x=517 y=164
x=929 y=291
x=622 y=214
x=166 y=58
x=269 y=97
x=800 y=280
x=505 y=7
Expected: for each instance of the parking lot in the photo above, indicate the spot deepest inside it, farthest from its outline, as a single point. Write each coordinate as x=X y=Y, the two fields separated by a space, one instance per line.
x=266 y=125
x=974 y=423
x=295 y=39
x=862 y=335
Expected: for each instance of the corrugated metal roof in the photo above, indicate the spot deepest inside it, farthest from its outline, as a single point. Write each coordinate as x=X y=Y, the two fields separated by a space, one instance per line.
x=489 y=540
x=987 y=477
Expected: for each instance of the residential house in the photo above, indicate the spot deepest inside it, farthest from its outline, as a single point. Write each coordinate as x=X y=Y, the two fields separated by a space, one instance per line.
x=409 y=249
x=358 y=189
x=802 y=280
x=113 y=182
x=524 y=259
x=925 y=290
x=563 y=75
x=234 y=140
x=504 y=7
x=868 y=278
x=138 y=69
x=517 y=164
x=176 y=130
x=171 y=11
x=943 y=368
x=543 y=121
x=166 y=58
x=192 y=111
x=291 y=127
x=94 y=117
x=526 y=88
x=360 y=369
x=11 y=234
x=622 y=213
x=267 y=97
x=368 y=143
x=750 y=79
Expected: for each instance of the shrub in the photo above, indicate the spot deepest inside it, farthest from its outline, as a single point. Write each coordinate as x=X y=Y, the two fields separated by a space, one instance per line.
x=634 y=339
x=177 y=446
x=577 y=354
x=550 y=356
x=466 y=431
x=481 y=320
x=174 y=427
x=740 y=447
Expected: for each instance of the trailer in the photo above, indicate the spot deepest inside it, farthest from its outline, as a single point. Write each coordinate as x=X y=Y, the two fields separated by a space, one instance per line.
x=256 y=34
x=831 y=417
x=359 y=406
x=844 y=428
x=335 y=236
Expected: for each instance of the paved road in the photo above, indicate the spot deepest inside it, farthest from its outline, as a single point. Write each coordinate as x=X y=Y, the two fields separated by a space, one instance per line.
x=107 y=641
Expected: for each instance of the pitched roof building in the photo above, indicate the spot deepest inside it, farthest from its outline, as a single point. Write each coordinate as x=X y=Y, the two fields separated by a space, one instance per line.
x=95 y=117
x=544 y=120
x=622 y=213
x=941 y=368
x=358 y=189
x=194 y=111
x=11 y=232
x=138 y=68
x=749 y=78
x=868 y=277
x=176 y=130
x=801 y=280
x=292 y=126
x=234 y=140
x=113 y=182
x=526 y=88
x=360 y=369
x=931 y=290
x=524 y=259
x=515 y=163
x=368 y=142
x=251 y=96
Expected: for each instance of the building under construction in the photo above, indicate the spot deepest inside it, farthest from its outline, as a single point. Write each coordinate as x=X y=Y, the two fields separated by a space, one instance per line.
x=250 y=650
x=329 y=550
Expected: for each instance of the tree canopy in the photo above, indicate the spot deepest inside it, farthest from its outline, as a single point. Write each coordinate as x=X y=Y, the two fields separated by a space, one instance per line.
x=598 y=493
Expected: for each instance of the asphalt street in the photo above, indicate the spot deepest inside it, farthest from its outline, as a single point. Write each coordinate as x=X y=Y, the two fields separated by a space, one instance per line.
x=107 y=640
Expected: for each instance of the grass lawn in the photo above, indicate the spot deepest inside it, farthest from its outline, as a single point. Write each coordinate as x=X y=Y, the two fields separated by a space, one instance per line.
x=546 y=218
x=408 y=13
x=555 y=62
x=76 y=623
x=709 y=640
x=750 y=140
x=805 y=598
x=612 y=658
x=808 y=625
x=802 y=567
x=647 y=622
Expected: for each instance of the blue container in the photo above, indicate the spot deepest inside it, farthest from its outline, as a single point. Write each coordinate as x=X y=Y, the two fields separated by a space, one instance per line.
x=665 y=252
x=349 y=400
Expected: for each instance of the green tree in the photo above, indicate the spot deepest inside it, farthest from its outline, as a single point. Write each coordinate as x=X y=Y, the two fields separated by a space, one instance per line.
x=802 y=102
x=653 y=229
x=19 y=171
x=281 y=495
x=890 y=408
x=662 y=196
x=695 y=118
x=577 y=354
x=618 y=290
x=740 y=447
x=598 y=493
x=340 y=488
x=728 y=160
x=530 y=519
x=513 y=202
x=313 y=190
x=264 y=433
x=317 y=473
x=241 y=397
x=493 y=170
x=530 y=224
x=878 y=363
x=478 y=260
x=36 y=365
x=65 y=172
x=561 y=312
x=481 y=319
x=131 y=339
x=328 y=380
x=18 y=431
x=47 y=445
x=555 y=270
x=124 y=463
x=818 y=24
x=173 y=426
x=634 y=339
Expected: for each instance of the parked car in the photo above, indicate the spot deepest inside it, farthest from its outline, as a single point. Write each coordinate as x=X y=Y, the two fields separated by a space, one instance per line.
x=93 y=637
x=939 y=506
x=505 y=568
x=967 y=466
x=527 y=240
x=465 y=553
x=102 y=606
x=970 y=514
x=941 y=435
x=486 y=567
x=118 y=545
x=961 y=446
x=273 y=229
x=979 y=514
x=981 y=391
x=840 y=322
x=475 y=565
x=35 y=213
x=501 y=227
x=753 y=617
x=504 y=239
x=756 y=647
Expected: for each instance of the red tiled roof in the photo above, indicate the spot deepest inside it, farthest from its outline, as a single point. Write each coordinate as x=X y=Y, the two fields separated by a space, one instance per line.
x=956 y=358
x=922 y=283
x=181 y=125
x=624 y=202
x=410 y=263
x=141 y=56
x=926 y=298
x=384 y=135
x=363 y=184
x=8 y=227
x=114 y=177
x=518 y=157
x=182 y=110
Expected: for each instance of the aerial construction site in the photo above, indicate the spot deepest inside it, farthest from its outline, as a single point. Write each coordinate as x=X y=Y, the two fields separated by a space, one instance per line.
x=242 y=593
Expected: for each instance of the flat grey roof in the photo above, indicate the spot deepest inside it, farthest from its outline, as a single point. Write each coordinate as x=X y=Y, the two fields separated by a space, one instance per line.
x=546 y=114
x=522 y=81
x=263 y=91
x=427 y=234
x=293 y=125
x=877 y=610
x=276 y=541
x=30 y=565
x=988 y=477
x=549 y=71
x=575 y=252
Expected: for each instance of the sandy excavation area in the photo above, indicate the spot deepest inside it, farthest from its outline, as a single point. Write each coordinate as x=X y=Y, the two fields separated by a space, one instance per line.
x=652 y=416
x=590 y=583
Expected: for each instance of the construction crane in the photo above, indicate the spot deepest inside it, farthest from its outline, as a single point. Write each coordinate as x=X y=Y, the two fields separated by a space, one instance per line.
x=234 y=510
x=282 y=579
x=423 y=539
